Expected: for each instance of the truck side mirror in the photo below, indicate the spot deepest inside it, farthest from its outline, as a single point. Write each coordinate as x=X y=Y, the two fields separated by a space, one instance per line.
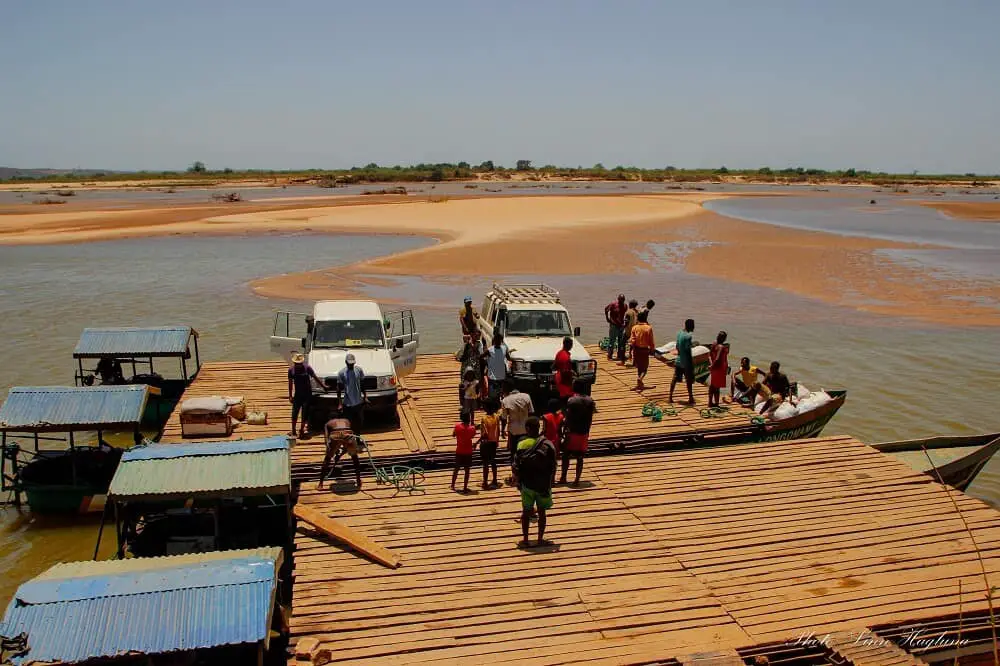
x=576 y=332
x=398 y=344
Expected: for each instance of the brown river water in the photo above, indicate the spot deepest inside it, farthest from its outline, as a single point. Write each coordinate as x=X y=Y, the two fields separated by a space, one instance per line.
x=904 y=379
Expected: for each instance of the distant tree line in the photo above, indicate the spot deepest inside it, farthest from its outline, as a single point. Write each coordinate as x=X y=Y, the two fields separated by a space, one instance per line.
x=445 y=171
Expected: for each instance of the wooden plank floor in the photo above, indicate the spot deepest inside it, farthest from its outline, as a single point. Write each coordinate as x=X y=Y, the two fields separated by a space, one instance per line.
x=658 y=555
x=429 y=407
x=466 y=592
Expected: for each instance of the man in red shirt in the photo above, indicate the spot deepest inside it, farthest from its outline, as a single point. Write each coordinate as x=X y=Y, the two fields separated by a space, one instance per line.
x=615 y=314
x=562 y=369
x=464 y=434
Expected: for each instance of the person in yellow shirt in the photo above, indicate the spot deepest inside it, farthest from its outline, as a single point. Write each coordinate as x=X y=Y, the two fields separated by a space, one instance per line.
x=642 y=345
x=489 y=440
x=746 y=384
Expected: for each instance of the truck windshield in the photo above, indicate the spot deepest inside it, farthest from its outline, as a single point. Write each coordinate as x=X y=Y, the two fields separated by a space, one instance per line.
x=538 y=322
x=348 y=333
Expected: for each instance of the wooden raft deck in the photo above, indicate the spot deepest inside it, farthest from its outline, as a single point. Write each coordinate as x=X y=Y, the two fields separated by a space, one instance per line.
x=658 y=555
x=429 y=408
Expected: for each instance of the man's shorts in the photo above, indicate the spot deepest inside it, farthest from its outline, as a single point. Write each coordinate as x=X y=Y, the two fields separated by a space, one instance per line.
x=463 y=459
x=530 y=498
x=576 y=444
x=687 y=374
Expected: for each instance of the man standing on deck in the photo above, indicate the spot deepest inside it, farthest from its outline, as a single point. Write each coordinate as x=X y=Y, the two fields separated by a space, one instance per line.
x=497 y=358
x=300 y=377
x=517 y=408
x=580 y=411
x=351 y=393
x=642 y=343
x=615 y=314
x=684 y=364
x=562 y=368
x=534 y=469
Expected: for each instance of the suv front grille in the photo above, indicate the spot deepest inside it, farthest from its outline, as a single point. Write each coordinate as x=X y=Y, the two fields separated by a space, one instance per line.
x=541 y=367
x=368 y=383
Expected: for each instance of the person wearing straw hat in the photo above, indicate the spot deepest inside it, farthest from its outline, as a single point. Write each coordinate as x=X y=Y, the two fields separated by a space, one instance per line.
x=300 y=377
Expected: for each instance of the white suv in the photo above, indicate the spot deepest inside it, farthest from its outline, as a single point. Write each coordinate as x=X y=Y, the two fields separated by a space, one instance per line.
x=384 y=344
x=534 y=322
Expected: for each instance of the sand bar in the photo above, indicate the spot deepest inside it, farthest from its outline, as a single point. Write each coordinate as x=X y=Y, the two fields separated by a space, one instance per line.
x=551 y=235
x=980 y=211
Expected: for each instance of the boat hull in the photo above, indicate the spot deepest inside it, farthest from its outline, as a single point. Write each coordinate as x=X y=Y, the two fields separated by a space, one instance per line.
x=958 y=473
x=45 y=499
x=803 y=426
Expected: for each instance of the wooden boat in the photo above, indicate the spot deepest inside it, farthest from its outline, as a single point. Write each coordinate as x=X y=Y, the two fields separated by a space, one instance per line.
x=956 y=460
x=702 y=363
x=42 y=455
x=802 y=426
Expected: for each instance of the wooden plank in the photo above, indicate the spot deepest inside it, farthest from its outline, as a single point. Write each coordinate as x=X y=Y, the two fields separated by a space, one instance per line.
x=345 y=534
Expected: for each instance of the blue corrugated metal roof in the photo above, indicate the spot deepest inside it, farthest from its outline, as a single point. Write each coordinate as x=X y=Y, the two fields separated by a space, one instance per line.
x=219 y=601
x=157 y=341
x=204 y=468
x=38 y=408
x=165 y=451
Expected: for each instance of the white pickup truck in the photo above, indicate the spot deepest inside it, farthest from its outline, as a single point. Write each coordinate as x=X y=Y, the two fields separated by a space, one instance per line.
x=534 y=322
x=384 y=346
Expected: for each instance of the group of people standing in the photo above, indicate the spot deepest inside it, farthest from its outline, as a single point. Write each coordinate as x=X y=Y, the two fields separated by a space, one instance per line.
x=535 y=443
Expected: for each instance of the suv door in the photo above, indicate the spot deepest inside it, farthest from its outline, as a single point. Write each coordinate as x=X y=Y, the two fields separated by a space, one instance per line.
x=403 y=339
x=290 y=332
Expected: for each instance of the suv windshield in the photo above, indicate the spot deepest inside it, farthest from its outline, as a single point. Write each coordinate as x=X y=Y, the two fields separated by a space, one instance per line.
x=538 y=322
x=347 y=333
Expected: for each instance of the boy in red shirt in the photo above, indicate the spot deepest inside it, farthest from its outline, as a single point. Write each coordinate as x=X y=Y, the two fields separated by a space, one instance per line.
x=553 y=424
x=465 y=434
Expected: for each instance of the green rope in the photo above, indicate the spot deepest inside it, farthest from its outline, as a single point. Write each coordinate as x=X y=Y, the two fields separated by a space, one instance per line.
x=757 y=420
x=656 y=413
x=604 y=343
x=714 y=412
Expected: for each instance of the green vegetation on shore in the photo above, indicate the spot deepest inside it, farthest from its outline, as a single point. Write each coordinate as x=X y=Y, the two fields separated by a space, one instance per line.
x=199 y=174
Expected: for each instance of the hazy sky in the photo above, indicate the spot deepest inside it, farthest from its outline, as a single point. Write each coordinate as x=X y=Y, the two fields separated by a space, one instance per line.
x=130 y=84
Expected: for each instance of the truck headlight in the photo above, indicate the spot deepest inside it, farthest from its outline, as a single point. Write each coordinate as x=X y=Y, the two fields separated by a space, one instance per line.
x=586 y=367
x=387 y=382
x=519 y=366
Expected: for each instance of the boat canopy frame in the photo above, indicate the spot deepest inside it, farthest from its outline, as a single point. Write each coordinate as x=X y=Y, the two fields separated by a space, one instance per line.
x=38 y=432
x=128 y=352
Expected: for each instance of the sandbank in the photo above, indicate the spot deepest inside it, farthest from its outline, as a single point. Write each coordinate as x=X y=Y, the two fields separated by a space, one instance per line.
x=550 y=235
x=980 y=211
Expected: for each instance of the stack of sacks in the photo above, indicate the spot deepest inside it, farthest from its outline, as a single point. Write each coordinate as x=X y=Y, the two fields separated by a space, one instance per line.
x=807 y=401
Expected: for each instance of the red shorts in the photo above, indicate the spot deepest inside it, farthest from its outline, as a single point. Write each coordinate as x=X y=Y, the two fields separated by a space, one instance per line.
x=577 y=443
x=640 y=359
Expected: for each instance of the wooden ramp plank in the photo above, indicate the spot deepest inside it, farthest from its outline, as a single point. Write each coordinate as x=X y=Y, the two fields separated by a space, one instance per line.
x=347 y=535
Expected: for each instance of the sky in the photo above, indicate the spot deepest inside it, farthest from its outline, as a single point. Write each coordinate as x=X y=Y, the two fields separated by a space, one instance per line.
x=880 y=85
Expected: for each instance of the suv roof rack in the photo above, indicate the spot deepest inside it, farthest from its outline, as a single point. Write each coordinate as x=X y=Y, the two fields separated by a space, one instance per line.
x=525 y=293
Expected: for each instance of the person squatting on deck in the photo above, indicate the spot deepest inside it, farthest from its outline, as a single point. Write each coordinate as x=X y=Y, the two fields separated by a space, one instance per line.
x=340 y=439
x=718 y=368
x=534 y=469
x=642 y=344
x=300 y=379
x=684 y=365
x=614 y=312
x=580 y=410
x=465 y=435
x=350 y=386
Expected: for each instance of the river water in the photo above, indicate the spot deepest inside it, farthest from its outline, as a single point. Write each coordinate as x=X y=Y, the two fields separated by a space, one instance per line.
x=904 y=379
